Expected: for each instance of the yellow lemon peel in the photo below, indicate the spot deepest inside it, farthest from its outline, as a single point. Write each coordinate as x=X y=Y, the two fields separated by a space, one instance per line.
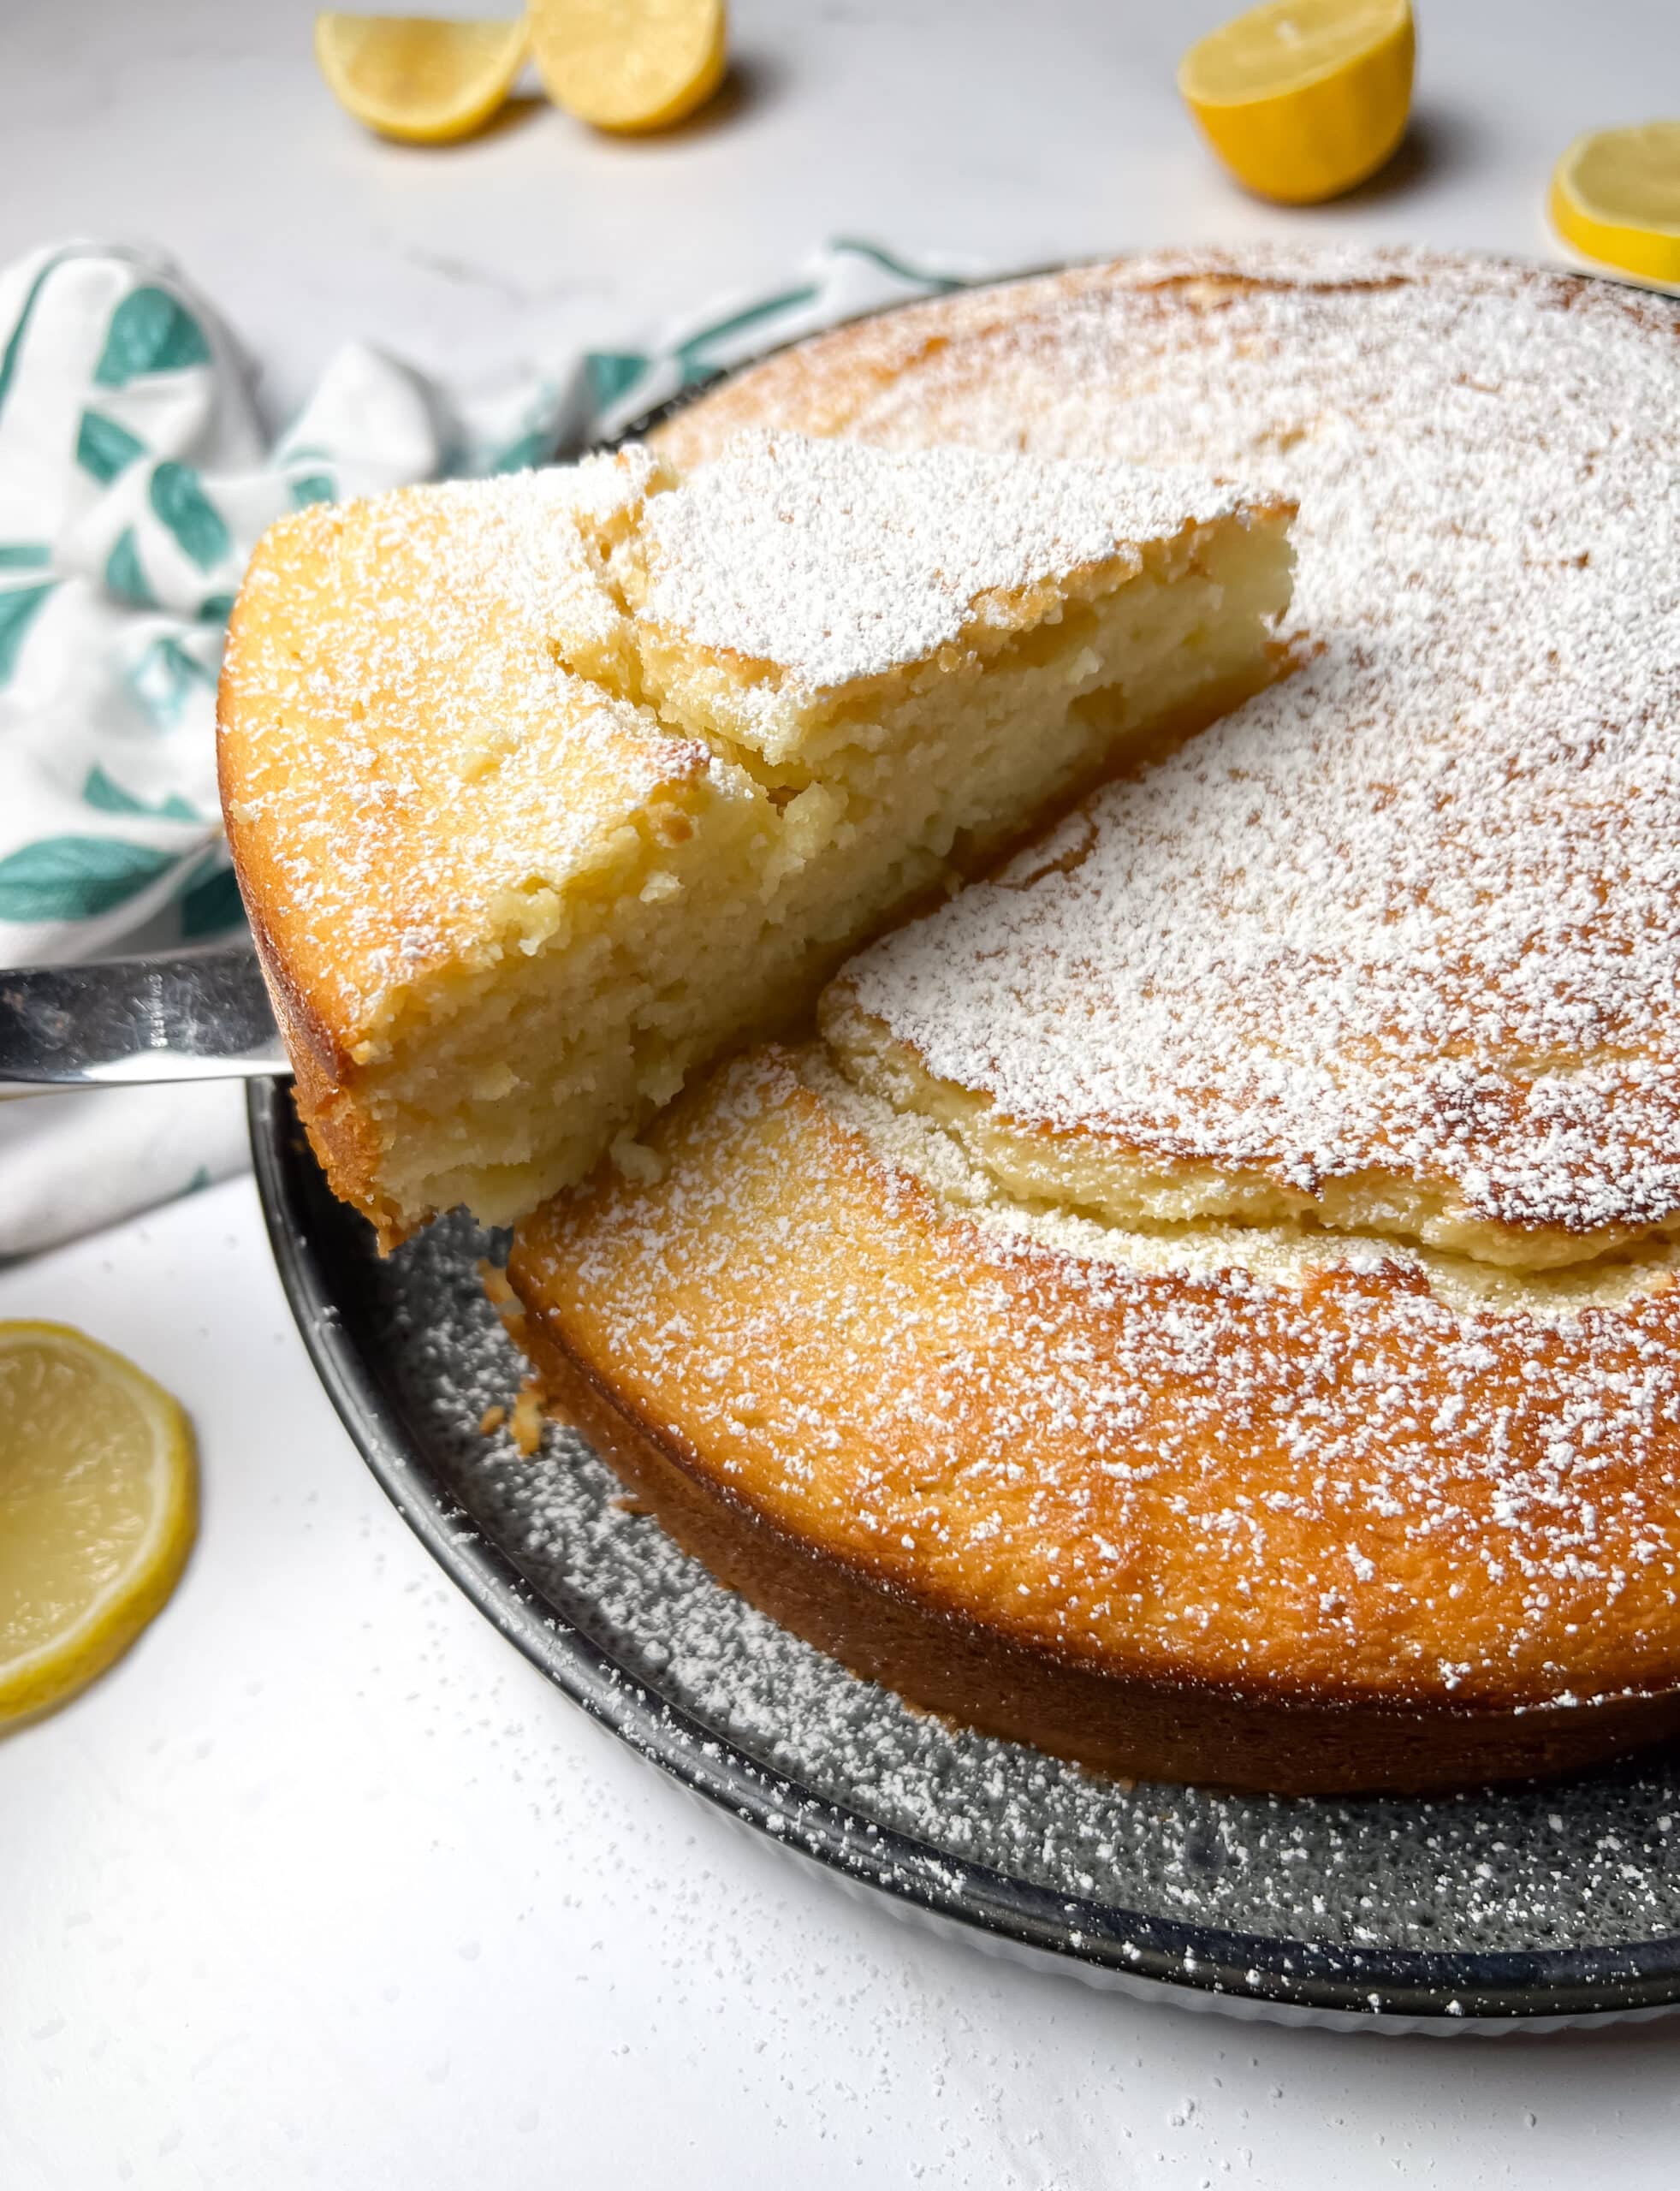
x=1615 y=197
x=417 y=78
x=630 y=65
x=98 y=1507
x=1302 y=99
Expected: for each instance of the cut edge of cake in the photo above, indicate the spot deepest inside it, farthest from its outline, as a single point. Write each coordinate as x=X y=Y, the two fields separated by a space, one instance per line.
x=1093 y=1170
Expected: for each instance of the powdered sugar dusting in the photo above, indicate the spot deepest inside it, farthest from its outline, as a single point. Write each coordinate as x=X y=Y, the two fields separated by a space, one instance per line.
x=425 y=699
x=1417 y=909
x=837 y=563
x=402 y=751
x=1323 y=1472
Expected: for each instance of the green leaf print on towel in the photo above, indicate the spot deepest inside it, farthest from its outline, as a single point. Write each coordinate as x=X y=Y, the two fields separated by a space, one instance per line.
x=209 y=905
x=163 y=680
x=149 y=333
x=611 y=372
x=526 y=453
x=180 y=500
x=103 y=794
x=75 y=878
x=104 y=448
x=18 y=611
x=125 y=575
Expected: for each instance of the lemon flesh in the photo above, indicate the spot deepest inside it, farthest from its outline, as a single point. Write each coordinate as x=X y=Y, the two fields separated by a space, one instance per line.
x=1303 y=99
x=1616 y=197
x=98 y=1505
x=411 y=77
x=630 y=64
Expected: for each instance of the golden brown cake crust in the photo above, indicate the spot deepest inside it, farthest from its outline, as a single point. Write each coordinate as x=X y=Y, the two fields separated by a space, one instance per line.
x=323 y=1073
x=1202 y=1733
x=1213 y=1525
x=324 y=1091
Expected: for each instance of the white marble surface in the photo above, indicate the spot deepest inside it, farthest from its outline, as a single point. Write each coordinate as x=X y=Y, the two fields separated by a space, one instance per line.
x=326 y=1885
x=1011 y=135
x=323 y=1884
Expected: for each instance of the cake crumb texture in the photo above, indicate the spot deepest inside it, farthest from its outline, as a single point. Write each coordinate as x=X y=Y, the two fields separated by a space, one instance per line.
x=541 y=789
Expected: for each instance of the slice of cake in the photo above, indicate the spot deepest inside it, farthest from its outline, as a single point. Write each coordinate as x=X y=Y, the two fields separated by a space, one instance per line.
x=543 y=789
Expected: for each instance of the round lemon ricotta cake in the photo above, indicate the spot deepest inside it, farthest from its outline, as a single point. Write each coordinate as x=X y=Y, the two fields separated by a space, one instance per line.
x=1207 y=1303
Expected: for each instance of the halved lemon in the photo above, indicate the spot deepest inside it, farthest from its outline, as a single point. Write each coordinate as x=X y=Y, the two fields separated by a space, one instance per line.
x=1303 y=99
x=630 y=64
x=99 y=1506
x=416 y=78
x=1616 y=197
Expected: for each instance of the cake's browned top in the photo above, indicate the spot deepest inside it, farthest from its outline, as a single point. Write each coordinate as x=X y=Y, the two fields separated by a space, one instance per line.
x=404 y=761
x=1295 y=1468
x=1413 y=917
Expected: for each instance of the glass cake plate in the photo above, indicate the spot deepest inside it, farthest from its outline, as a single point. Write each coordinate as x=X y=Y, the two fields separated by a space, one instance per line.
x=1515 y=1908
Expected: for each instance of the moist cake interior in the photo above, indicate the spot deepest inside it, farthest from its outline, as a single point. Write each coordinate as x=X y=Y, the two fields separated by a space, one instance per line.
x=831 y=680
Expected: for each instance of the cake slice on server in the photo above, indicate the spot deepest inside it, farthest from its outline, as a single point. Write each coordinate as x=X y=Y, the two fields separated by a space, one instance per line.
x=543 y=789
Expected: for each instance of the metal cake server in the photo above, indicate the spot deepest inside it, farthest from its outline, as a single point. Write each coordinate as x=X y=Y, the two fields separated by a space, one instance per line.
x=187 y=1015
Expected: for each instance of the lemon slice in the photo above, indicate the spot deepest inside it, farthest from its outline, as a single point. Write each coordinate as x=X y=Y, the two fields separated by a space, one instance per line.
x=630 y=64
x=1616 y=197
x=412 y=77
x=1303 y=99
x=99 y=1503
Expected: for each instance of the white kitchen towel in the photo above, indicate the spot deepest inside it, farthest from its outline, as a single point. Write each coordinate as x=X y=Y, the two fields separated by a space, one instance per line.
x=135 y=476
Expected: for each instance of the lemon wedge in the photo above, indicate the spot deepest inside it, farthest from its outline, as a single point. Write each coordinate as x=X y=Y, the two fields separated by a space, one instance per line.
x=1303 y=99
x=98 y=1504
x=1616 y=197
x=630 y=64
x=423 y=81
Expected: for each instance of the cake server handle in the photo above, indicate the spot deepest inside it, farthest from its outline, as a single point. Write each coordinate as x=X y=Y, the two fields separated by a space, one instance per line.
x=198 y=1014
